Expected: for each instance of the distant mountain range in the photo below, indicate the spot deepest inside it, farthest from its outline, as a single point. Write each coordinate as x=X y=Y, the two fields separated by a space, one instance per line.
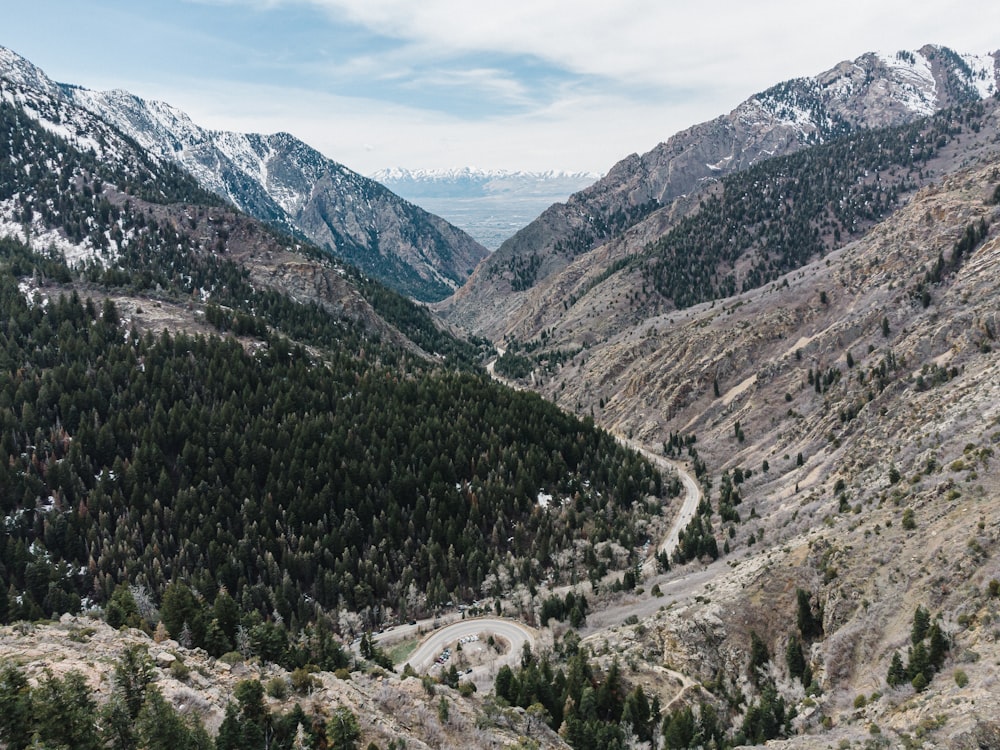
x=491 y=205
x=286 y=183
x=470 y=182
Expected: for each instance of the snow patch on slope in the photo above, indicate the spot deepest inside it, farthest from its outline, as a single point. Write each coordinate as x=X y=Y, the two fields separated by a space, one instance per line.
x=44 y=240
x=914 y=79
x=984 y=73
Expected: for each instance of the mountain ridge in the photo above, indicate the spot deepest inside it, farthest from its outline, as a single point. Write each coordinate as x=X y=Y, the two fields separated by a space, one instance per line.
x=831 y=376
x=866 y=92
x=284 y=182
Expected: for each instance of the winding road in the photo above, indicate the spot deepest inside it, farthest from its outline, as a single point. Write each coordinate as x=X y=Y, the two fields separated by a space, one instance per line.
x=692 y=497
x=517 y=634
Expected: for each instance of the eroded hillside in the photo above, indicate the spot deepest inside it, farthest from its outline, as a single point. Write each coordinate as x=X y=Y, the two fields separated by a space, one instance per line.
x=858 y=402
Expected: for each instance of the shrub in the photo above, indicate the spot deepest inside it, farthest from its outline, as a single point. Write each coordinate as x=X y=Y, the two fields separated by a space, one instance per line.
x=961 y=678
x=179 y=670
x=231 y=658
x=303 y=681
x=277 y=688
x=466 y=688
x=342 y=674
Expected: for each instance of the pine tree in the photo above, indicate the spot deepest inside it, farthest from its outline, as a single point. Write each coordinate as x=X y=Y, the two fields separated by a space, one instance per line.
x=897 y=672
x=810 y=626
x=919 y=664
x=16 y=714
x=343 y=730
x=793 y=657
x=921 y=622
x=938 y=649
x=759 y=657
x=678 y=729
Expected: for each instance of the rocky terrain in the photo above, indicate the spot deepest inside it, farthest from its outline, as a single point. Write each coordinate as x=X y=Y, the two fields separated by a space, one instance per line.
x=389 y=709
x=851 y=404
x=876 y=490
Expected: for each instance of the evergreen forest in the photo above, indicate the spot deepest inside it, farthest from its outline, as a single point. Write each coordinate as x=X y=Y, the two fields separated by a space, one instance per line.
x=281 y=455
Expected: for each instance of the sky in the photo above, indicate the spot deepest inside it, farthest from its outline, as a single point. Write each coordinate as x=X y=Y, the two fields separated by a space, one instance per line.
x=442 y=84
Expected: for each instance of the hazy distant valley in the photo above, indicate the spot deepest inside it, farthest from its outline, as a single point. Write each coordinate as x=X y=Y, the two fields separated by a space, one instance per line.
x=490 y=206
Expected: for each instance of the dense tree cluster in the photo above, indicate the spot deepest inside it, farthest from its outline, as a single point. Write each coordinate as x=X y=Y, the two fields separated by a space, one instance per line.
x=928 y=649
x=416 y=323
x=598 y=227
x=971 y=238
x=352 y=476
x=589 y=707
x=784 y=212
x=572 y=607
x=523 y=271
x=293 y=484
x=63 y=184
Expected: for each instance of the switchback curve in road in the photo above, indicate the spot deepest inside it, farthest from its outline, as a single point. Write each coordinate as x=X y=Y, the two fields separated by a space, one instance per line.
x=511 y=631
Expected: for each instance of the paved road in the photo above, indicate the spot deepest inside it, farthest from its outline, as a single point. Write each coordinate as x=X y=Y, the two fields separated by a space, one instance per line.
x=692 y=496
x=511 y=631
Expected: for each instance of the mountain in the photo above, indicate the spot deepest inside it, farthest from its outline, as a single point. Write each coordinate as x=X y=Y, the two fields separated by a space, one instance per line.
x=471 y=182
x=233 y=457
x=814 y=335
x=282 y=181
x=637 y=200
x=845 y=419
x=491 y=205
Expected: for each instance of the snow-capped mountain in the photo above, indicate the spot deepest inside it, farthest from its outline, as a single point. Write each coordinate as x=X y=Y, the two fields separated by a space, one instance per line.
x=491 y=205
x=281 y=180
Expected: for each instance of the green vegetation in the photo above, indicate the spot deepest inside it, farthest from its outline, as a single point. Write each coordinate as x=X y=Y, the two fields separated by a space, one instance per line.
x=925 y=656
x=71 y=207
x=573 y=607
x=257 y=492
x=589 y=704
x=61 y=711
x=291 y=483
x=783 y=212
x=971 y=239
x=597 y=228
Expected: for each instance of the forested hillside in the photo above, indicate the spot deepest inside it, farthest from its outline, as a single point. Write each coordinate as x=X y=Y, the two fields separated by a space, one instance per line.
x=303 y=465
x=784 y=212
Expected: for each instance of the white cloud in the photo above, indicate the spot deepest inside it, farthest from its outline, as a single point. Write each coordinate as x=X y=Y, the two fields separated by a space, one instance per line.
x=450 y=83
x=674 y=44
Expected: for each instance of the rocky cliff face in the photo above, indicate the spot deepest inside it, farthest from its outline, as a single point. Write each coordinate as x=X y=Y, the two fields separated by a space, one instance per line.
x=282 y=181
x=637 y=199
